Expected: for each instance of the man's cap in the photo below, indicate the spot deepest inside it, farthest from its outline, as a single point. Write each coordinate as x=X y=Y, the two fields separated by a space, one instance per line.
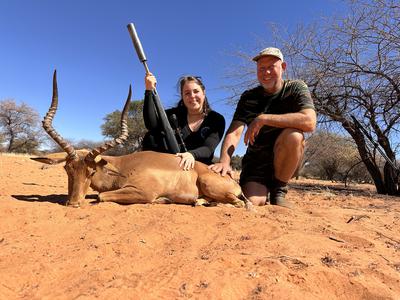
x=270 y=51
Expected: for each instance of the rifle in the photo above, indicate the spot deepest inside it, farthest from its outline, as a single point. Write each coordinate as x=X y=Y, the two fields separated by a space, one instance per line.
x=174 y=121
x=375 y=144
x=172 y=144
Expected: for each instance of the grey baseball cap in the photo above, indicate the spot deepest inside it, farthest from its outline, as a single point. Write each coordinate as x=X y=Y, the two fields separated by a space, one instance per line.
x=270 y=51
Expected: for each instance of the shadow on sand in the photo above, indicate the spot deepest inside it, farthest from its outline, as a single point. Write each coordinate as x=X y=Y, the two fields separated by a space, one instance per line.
x=53 y=198
x=60 y=199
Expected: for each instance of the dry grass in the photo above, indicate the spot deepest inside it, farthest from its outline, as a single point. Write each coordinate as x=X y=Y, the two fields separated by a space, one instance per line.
x=15 y=154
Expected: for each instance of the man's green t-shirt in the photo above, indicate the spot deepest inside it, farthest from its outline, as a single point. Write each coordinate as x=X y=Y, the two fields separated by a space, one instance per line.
x=293 y=97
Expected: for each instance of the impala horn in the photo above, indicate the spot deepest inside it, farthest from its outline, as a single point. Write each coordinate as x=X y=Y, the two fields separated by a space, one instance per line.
x=48 y=120
x=119 y=140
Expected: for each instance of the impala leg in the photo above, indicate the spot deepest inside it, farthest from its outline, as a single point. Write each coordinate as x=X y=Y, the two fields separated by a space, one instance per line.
x=201 y=202
x=221 y=189
x=162 y=200
x=127 y=195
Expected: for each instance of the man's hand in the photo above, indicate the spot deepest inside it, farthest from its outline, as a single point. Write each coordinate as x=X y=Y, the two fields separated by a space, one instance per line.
x=187 y=160
x=223 y=168
x=254 y=128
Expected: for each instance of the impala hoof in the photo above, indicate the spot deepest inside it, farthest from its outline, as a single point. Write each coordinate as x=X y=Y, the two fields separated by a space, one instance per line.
x=74 y=205
x=249 y=206
x=201 y=202
x=238 y=203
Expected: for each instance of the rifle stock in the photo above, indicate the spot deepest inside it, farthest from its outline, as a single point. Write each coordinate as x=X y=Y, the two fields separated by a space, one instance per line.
x=172 y=143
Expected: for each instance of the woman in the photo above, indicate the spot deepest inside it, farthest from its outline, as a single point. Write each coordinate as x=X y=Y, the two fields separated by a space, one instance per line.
x=200 y=128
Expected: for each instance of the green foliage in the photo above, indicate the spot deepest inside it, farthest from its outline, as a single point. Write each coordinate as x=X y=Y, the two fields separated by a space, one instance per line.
x=111 y=128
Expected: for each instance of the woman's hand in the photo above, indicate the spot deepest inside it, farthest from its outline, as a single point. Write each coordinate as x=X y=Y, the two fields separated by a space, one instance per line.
x=150 y=81
x=187 y=160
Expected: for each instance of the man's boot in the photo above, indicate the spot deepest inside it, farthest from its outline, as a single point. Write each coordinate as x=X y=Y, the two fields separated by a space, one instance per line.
x=277 y=196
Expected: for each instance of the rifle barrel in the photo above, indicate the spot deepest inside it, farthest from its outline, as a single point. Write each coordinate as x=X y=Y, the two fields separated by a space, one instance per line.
x=172 y=143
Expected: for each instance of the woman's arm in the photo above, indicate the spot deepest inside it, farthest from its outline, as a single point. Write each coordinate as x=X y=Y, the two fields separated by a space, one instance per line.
x=217 y=128
x=150 y=116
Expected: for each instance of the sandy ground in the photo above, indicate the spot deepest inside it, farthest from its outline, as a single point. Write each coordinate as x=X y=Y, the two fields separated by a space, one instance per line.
x=336 y=244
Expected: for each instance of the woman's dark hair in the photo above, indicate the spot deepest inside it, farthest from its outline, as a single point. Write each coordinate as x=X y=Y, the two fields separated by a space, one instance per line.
x=195 y=79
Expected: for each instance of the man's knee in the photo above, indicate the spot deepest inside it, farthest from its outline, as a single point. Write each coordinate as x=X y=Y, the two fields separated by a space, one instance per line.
x=255 y=192
x=290 y=140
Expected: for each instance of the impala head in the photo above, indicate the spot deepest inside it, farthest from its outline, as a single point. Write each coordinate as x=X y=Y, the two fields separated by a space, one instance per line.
x=79 y=178
x=80 y=165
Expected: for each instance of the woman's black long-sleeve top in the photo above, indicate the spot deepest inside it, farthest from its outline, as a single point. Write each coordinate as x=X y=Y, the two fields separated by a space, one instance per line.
x=201 y=143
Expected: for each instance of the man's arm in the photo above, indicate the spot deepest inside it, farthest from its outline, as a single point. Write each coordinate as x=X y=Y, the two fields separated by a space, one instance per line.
x=304 y=120
x=229 y=145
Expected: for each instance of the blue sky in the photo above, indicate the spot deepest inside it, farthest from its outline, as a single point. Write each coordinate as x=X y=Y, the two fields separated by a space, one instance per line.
x=89 y=45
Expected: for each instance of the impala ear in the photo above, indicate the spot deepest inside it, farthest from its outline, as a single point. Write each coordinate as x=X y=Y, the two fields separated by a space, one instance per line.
x=46 y=160
x=52 y=159
x=108 y=166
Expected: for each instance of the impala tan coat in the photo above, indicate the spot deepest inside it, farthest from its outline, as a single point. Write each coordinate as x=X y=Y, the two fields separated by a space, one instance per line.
x=141 y=177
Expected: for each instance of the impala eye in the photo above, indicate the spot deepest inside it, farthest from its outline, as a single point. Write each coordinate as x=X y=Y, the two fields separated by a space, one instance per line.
x=91 y=172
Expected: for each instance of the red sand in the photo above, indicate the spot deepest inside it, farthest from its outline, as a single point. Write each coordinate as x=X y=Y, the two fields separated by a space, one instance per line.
x=336 y=244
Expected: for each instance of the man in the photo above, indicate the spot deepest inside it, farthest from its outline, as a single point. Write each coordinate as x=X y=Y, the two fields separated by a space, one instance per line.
x=277 y=113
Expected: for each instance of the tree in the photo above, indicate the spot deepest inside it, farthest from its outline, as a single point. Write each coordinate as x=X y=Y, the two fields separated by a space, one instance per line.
x=236 y=162
x=2 y=142
x=53 y=147
x=19 y=127
x=352 y=66
x=111 y=127
x=333 y=157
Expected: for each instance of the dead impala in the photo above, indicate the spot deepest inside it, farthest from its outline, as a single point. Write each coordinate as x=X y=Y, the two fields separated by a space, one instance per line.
x=141 y=177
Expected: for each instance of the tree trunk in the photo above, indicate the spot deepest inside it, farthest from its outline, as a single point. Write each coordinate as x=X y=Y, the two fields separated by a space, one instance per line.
x=391 y=180
x=11 y=143
x=372 y=167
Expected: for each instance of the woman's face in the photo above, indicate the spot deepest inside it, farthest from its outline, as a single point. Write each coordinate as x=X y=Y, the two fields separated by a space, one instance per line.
x=193 y=97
